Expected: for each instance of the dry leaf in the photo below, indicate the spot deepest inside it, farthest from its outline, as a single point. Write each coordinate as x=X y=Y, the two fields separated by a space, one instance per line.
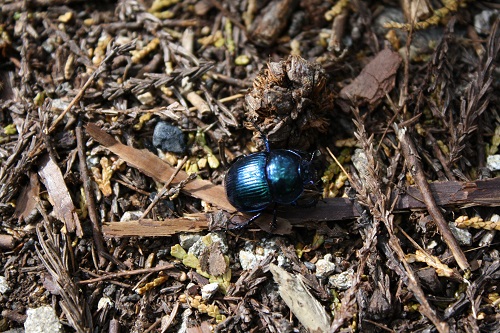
x=153 y=166
x=212 y=260
x=375 y=80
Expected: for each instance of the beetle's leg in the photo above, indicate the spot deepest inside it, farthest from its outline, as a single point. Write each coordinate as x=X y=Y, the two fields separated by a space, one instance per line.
x=262 y=136
x=250 y=220
x=315 y=154
x=309 y=198
x=274 y=225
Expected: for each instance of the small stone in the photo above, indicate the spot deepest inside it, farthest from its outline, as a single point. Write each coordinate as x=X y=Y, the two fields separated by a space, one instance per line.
x=208 y=290
x=248 y=260
x=187 y=240
x=131 y=216
x=342 y=281
x=104 y=303
x=42 y=320
x=310 y=266
x=146 y=98
x=251 y=255
x=325 y=267
x=493 y=162
x=484 y=20
x=4 y=286
x=463 y=236
x=282 y=261
x=169 y=138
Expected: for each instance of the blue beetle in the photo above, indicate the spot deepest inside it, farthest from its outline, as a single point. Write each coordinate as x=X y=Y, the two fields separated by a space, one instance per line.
x=277 y=176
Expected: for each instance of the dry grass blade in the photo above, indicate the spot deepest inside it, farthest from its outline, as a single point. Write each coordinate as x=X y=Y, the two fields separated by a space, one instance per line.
x=476 y=98
x=72 y=302
x=89 y=194
x=377 y=205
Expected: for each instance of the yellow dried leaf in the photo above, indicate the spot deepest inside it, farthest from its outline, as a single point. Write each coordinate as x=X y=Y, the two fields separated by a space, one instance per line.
x=66 y=17
x=191 y=261
x=177 y=251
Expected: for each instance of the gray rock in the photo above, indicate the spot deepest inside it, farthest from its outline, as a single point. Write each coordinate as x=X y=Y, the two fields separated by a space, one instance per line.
x=4 y=286
x=201 y=244
x=131 y=215
x=463 y=236
x=342 y=281
x=484 y=20
x=169 y=138
x=251 y=254
x=187 y=240
x=208 y=290
x=493 y=162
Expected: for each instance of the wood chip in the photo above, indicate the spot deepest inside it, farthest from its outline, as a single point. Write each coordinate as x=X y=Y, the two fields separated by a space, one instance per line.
x=461 y=194
x=148 y=227
x=304 y=306
x=27 y=199
x=64 y=209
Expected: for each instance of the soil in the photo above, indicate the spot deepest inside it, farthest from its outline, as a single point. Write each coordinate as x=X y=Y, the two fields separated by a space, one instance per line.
x=400 y=123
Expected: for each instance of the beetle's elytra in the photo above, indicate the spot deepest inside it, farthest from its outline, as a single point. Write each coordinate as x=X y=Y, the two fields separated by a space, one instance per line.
x=258 y=180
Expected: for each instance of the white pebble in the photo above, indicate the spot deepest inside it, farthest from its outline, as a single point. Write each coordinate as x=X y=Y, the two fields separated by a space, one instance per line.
x=42 y=320
x=208 y=290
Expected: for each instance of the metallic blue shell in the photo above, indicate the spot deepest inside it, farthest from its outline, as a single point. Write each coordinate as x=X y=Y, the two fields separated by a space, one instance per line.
x=257 y=180
x=246 y=183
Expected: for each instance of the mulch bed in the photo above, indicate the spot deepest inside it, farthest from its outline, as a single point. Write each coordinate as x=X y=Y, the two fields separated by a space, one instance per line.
x=401 y=122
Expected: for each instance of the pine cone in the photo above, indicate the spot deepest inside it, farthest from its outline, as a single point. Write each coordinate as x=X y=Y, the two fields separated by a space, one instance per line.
x=289 y=102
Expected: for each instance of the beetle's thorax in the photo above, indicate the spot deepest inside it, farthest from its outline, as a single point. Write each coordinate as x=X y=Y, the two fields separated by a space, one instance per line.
x=284 y=176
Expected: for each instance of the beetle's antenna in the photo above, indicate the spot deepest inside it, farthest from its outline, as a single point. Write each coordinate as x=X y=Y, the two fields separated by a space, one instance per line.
x=274 y=225
x=315 y=154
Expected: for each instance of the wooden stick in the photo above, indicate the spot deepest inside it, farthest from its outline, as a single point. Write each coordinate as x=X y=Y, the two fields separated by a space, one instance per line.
x=452 y=194
x=89 y=194
x=415 y=167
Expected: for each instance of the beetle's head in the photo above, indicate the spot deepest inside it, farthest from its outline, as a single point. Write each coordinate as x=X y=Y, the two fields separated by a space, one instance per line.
x=307 y=172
